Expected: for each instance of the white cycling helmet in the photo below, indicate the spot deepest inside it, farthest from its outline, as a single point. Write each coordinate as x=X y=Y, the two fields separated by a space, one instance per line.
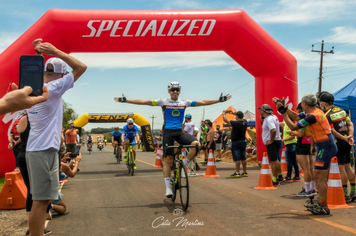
x=174 y=85
x=130 y=121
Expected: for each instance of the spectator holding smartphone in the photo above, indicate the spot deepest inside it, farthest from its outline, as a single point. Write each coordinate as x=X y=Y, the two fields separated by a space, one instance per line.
x=45 y=134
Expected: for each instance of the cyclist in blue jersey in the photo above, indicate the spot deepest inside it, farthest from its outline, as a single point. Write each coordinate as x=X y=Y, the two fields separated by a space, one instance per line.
x=130 y=135
x=116 y=139
x=173 y=114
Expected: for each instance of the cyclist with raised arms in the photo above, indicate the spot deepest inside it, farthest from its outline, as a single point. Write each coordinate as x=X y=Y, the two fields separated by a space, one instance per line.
x=173 y=114
x=116 y=139
x=130 y=135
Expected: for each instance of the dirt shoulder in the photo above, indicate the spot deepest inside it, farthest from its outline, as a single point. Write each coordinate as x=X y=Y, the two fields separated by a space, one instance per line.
x=227 y=157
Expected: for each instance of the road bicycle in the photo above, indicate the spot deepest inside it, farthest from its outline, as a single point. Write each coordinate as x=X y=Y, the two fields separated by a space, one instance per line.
x=130 y=160
x=118 y=154
x=179 y=178
x=89 y=145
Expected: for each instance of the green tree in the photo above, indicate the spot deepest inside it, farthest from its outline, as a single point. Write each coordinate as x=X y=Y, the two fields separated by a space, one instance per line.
x=69 y=115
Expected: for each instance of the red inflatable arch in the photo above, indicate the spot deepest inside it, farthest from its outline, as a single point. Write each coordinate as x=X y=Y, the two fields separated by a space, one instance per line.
x=231 y=31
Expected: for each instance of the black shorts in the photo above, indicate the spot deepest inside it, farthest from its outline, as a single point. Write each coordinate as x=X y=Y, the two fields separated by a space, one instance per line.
x=343 y=152
x=303 y=149
x=89 y=142
x=118 y=140
x=171 y=135
x=212 y=146
x=273 y=150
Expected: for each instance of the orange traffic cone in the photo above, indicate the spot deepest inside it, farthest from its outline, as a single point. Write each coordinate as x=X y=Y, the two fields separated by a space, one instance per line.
x=210 y=167
x=283 y=161
x=335 y=197
x=158 y=162
x=265 y=181
x=14 y=192
x=302 y=173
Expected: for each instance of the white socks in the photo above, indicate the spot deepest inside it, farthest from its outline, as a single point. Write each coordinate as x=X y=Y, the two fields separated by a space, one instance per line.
x=167 y=182
x=312 y=185
x=307 y=186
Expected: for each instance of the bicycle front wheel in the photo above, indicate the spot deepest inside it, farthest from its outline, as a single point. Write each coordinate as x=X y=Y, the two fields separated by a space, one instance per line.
x=174 y=181
x=183 y=187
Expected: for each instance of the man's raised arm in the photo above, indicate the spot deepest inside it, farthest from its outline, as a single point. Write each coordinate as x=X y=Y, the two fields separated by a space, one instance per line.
x=133 y=101
x=210 y=102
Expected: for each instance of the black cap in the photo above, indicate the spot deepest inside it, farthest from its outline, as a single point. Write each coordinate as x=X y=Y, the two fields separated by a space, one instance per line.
x=299 y=107
x=239 y=114
x=326 y=97
x=266 y=108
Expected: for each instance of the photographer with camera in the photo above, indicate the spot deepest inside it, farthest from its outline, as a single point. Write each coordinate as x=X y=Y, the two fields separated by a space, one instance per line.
x=70 y=166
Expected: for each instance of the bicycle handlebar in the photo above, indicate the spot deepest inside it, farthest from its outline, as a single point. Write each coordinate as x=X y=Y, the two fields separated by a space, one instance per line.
x=182 y=146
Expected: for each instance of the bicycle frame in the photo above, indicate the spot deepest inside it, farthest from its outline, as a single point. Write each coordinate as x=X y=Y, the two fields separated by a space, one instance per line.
x=176 y=181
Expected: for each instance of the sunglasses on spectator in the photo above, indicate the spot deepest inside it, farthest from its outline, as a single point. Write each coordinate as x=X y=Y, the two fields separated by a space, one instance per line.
x=174 y=90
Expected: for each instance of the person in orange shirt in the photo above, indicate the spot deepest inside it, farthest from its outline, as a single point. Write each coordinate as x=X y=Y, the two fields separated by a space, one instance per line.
x=320 y=130
x=71 y=139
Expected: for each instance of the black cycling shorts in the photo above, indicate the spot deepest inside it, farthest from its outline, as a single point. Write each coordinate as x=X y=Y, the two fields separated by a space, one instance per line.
x=303 y=149
x=171 y=135
x=273 y=150
x=343 y=152
x=118 y=140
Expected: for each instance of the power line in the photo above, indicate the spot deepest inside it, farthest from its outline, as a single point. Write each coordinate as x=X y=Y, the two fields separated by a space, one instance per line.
x=241 y=86
x=313 y=86
x=339 y=69
x=341 y=73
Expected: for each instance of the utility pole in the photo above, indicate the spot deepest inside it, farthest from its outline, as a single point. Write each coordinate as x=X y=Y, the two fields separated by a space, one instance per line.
x=322 y=52
x=153 y=119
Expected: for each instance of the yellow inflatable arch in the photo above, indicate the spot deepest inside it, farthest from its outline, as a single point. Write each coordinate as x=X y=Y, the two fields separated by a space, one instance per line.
x=119 y=117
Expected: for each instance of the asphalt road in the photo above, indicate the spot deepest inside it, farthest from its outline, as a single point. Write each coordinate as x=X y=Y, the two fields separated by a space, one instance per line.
x=104 y=200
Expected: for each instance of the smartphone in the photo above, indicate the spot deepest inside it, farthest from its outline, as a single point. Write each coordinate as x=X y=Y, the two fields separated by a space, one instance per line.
x=73 y=155
x=31 y=73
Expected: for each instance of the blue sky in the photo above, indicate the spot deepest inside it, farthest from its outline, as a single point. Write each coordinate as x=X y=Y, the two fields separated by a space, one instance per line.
x=296 y=25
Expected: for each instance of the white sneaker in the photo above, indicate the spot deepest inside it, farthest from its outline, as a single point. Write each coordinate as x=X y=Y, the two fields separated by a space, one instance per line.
x=169 y=193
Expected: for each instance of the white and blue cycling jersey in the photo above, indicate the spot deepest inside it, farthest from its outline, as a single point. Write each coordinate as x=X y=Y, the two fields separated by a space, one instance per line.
x=173 y=111
x=129 y=133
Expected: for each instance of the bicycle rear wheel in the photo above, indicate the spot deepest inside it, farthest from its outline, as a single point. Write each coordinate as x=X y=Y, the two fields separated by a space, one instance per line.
x=183 y=186
x=117 y=155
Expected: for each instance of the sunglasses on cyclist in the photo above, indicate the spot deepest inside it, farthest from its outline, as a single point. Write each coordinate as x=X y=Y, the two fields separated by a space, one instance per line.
x=174 y=90
x=130 y=124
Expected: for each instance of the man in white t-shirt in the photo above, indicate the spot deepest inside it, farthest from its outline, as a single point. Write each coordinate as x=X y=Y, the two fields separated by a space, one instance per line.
x=45 y=134
x=188 y=124
x=272 y=139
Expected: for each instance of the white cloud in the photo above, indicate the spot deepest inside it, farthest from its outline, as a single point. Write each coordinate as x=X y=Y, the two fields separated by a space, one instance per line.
x=176 y=60
x=6 y=39
x=342 y=34
x=340 y=59
x=302 y=11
